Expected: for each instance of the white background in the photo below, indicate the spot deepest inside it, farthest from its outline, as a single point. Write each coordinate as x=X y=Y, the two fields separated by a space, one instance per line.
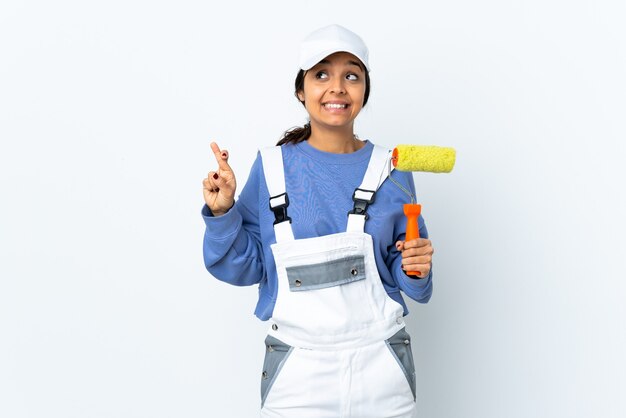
x=106 y=114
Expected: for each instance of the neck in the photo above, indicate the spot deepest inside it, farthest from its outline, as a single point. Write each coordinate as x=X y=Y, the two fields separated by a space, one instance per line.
x=335 y=141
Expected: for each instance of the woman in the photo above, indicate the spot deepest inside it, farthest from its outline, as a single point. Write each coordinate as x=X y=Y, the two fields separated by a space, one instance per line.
x=319 y=227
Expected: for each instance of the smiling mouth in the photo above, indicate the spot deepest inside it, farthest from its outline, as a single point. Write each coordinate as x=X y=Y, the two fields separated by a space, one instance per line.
x=335 y=106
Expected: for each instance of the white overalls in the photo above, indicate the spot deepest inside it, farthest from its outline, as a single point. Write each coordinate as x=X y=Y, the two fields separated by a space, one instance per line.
x=336 y=346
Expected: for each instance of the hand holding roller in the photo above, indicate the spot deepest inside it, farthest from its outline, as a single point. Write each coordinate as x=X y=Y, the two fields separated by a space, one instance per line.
x=425 y=158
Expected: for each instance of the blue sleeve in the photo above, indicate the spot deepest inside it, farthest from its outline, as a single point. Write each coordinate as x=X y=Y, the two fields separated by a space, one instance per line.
x=417 y=289
x=232 y=242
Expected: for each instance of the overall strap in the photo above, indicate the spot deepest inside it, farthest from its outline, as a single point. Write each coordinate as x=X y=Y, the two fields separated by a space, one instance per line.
x=272 y=158
x=377 y=171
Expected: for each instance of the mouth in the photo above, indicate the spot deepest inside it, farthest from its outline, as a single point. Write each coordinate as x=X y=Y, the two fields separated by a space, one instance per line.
x=335 y=105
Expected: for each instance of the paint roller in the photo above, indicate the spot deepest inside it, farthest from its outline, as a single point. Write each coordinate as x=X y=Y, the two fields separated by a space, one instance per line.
x=425 y=158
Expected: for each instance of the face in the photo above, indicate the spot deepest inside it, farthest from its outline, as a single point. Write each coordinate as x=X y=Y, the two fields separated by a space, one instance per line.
x=334 y=90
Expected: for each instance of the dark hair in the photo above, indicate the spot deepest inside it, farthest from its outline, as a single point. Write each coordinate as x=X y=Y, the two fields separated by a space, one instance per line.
x=302 y=133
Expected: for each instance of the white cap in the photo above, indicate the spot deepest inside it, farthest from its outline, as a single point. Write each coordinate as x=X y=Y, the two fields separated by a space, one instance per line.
x=328 y=40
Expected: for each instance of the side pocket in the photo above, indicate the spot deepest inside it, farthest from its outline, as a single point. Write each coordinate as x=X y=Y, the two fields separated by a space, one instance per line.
x=276 y=353
x=400 y=346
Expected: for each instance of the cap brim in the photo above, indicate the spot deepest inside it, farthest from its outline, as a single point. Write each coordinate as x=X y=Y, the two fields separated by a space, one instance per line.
x=312 y=61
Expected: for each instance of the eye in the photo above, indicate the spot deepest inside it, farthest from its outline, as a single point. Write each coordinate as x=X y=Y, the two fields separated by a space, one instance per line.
x=352 y=77
x=321 y=75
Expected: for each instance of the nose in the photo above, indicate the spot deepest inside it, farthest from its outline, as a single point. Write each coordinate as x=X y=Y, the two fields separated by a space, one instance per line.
x=338 y=86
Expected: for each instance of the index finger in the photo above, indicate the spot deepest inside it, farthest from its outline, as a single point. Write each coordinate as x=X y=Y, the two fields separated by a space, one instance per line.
x=417 y=243
x=221 y=161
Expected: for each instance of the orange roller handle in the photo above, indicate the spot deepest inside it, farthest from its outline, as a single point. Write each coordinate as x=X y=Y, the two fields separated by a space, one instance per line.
x=412 y=212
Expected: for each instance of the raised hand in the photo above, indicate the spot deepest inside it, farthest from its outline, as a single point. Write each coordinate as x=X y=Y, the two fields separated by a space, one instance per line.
x=220 y=185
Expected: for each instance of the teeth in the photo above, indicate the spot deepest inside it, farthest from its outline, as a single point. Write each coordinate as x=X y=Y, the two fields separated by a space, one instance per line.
x=336 y=105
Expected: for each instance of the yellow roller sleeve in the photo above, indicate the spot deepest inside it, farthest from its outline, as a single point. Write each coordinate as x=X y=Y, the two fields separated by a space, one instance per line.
x=428 y=158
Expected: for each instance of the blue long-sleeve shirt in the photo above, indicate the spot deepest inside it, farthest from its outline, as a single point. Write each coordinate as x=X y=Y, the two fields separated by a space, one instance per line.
x=320 y=187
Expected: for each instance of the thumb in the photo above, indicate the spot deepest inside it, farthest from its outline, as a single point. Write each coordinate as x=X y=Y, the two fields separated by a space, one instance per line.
x=225 y=185
x=218 y=180
x=399 y=245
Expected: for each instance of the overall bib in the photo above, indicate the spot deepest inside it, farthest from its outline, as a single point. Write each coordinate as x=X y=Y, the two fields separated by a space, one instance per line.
x=336 y=346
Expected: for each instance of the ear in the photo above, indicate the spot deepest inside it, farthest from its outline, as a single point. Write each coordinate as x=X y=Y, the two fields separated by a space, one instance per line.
x=300 y=96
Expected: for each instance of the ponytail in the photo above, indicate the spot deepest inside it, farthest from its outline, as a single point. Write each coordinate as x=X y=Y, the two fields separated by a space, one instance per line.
x=296 y=134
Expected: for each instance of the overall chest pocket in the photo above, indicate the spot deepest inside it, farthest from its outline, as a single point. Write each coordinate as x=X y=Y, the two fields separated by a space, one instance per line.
x=326 y=274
